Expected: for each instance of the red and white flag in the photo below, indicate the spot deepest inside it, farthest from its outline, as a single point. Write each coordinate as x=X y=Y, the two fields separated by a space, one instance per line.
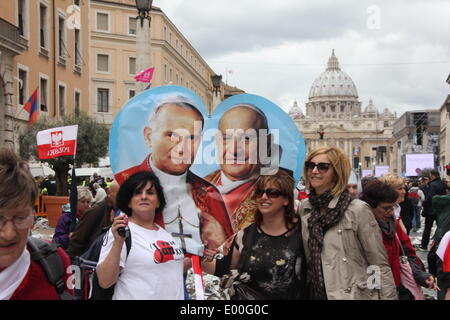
x=57 y=142
x=145 y=75
x=443 y=252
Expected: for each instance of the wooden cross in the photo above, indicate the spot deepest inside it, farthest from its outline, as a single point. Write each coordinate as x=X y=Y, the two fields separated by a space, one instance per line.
x=180 y=234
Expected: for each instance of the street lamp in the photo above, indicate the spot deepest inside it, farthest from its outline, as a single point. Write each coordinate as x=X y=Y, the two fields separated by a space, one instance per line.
x=144 y=7
x=216 y=79
x=216 y=82
x=143 y=40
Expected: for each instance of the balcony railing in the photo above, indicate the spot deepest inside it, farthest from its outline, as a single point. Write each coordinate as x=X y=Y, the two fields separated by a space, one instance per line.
x=11 y=32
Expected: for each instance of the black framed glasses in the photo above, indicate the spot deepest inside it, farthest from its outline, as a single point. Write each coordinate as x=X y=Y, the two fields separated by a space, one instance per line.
x=322 y=167
x=270 y=192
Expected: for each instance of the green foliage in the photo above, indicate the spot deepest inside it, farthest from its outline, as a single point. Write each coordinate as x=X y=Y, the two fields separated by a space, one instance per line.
x=92 y=144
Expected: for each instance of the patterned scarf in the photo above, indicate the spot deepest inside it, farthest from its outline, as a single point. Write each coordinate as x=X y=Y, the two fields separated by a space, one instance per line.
x=318 y=225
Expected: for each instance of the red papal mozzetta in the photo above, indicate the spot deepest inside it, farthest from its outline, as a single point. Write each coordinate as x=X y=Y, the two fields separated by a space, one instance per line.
x=57 y=142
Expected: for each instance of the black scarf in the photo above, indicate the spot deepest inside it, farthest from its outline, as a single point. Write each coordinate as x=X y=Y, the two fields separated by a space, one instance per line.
x=388 y=228
x=318 y=225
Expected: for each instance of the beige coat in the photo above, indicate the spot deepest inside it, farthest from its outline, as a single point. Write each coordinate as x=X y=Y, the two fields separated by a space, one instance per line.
x=349 y=248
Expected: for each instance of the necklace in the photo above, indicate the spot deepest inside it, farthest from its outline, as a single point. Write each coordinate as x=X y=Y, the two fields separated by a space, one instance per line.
x=180 y=217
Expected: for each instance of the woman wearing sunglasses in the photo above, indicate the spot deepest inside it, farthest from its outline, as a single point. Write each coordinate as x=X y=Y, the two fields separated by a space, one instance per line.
x=269 y=250
x=382 y=198
x=343 y=244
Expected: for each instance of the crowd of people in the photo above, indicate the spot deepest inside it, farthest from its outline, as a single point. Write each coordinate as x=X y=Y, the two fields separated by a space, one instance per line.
x=335 y=236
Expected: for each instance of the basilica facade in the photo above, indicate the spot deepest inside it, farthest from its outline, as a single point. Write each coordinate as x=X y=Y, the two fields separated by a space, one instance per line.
x=334 y=116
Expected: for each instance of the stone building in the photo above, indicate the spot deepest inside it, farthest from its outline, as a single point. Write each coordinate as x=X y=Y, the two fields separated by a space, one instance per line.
x=415 y=132
x=113 y=57
x=334 y=117
x=44 y=44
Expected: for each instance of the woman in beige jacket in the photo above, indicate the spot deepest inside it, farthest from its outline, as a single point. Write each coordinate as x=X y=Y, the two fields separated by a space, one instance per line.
x=343 y=244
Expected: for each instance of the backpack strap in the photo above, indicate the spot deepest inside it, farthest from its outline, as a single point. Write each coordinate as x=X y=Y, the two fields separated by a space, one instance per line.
x=46 y=254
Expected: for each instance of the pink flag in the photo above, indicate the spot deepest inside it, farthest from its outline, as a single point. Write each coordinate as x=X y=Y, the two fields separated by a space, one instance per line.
x=145 y=75
x=57 y=142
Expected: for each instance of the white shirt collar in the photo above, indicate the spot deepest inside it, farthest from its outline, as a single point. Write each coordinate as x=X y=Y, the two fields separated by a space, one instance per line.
x=167 y=179
x=12 y=276
x=228 y=184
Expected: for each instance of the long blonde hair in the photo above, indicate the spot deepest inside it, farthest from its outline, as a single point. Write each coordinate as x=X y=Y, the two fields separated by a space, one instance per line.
x=340 y=165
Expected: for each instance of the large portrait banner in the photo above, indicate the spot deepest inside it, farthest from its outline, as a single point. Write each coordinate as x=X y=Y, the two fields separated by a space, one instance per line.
x=208 y=164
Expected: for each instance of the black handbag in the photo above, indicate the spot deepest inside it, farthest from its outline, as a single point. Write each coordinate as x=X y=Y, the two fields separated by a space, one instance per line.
x=234 y=287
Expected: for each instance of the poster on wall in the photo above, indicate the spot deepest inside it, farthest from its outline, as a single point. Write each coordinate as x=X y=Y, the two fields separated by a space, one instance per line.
x=367 y=173
x=208 y=164
x=380 y=170
x=416 y=162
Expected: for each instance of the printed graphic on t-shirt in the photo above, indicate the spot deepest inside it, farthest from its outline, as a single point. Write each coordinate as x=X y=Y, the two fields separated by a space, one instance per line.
x=165 y=251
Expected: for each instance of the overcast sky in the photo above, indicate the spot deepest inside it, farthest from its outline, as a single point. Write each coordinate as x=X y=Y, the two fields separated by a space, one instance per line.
x=396 y=52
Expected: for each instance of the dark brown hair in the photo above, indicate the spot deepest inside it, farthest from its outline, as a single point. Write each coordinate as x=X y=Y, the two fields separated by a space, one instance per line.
x=376 y=192
x=17 y=186
x=285 y=183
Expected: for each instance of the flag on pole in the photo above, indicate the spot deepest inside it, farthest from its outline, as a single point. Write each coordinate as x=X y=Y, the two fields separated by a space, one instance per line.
x=57 y=142
x=73 y=201
x=198 y=278
x=443 y=252
x=145 y=75
x=31 y=106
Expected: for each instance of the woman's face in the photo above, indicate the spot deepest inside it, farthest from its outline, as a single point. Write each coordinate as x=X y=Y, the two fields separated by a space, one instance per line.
x=321 y=181
x=384 y=211
x=144 y=201
x=82 y=205
x=401 y=193
x=271 y=201
x=14 y=234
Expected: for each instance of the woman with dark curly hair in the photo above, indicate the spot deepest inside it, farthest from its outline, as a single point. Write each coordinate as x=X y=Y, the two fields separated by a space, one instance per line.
x=270 y=250
x=382 y=198
x=153 y=268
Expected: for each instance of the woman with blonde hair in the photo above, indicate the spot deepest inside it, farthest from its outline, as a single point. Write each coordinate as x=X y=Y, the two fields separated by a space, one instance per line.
x=343 y=244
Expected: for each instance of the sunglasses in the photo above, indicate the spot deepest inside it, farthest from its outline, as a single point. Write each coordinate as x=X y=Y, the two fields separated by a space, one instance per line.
x=271 y=193
x=321 y=166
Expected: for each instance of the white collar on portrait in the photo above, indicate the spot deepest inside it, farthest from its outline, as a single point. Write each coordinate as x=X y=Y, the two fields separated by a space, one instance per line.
x=229 y=185
x=12 y=276
x=167 y=179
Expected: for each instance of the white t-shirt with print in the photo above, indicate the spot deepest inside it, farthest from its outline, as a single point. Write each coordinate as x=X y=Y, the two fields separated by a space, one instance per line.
x=153 y=269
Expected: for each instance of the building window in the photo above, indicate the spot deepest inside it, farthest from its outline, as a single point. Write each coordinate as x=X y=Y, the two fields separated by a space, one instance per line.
x=165 y=33
x=21 y=17
x=62 y=40
x=386 y=124
x=131 y=66
x=43 y=83
x=102 y=21
x=77 y=50
x=62 y=99
x=102 y=100
x=132 y=25
x=165 y=72
x=77 y=103
x=23 y=82
x=43 y=25
x=131 y=93
x=102 y=63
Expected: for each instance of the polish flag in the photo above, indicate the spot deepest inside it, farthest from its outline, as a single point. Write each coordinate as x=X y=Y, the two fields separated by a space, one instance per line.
x=57 y=142
x=198 y=278
x=443 y=252
x=145 y=75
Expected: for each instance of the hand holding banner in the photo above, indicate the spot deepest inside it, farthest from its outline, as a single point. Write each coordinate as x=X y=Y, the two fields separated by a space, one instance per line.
x=57 y=142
